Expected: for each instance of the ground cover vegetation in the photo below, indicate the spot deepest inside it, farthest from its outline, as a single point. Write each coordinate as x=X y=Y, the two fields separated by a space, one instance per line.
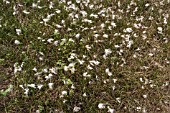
x=86 y=56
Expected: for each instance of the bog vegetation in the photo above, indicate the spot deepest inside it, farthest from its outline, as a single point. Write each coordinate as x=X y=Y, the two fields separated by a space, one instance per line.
x=86 y=56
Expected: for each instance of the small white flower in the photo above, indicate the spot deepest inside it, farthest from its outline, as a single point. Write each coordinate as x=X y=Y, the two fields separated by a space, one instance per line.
x=71 y=65
x=130 y=42
x=84 y=94
x=105 y=36
x=55 y=43
x=77 y=35
x=50 y=85
x=17 y=42
x=76 y=109
x=34 y=69
x=45 y=70
x=80 y=61
x=31 y=85
x=78 y=1
x=138 y=108
x=144 y=96
x=53 y=70
x=159 y=30
x=72 y=69
x=39 y=86
x=26 y=91
x=58 y=26
x=26 y=12
x=113 y=24
x=66 y=68
x=146 y=5
x=92 y=62
x=108 y=51
x=102 y=25
x=150 y=54
x=129 y=30
x=21 y=86
x=88 y=47
x=114 y=80
x=86 y=75
x=46 y=20
x=34 y=5
x=51 y=5
x=64 y=92
x=117 y=46
x=108 y=72
x=50 y=40
x=18 y=31
x=110 y=110
x=141 y=79
x=118 y=100
x=101 y=106
x=84 y=13
x=89 y=67
x=58 y=11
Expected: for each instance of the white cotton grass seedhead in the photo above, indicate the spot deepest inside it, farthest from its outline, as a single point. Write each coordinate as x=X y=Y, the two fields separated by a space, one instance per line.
x=144 y=96
x=150 y=54
x=58 y=26
x=17 y=68
x=50 y=85
x=114 y=80
x=80 y=61
x=17 y=42
x=18 y=31
x=50 y=40
x=34 y=69
x=107 y=51
x=108 y=72
x=34 y=5
x=46 y=20
x=84 y=94
x=76 y=109
x=160 y=30
x=26 y=12
x=26 y=91
x=86 y=74
x=138 y=108
x=55 y=43
x=53 y=70
x=118 y=100
x=130 y=42
x=94 y=62
x=6 y=1
x=105 y=35
x=101 y=105
x=141 y=79
x=45 y=70
x=31 y=85
x=113 y=24
x=63 y=93
x=78 y=1
x=51 y=5
x=49 y=76
x=58 y=11
x=146 y=5
x=110 y=110
x=39 y=86
x=66 y=68
x=77 y=35
x=72 y=69
x=128 y=30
